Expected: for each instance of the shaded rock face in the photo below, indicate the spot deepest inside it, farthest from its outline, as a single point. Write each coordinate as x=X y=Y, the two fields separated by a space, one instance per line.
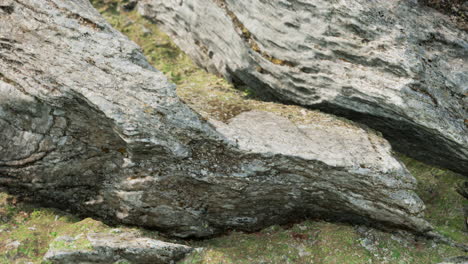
x=396 y=66
x=87 y=124
x=114 y=248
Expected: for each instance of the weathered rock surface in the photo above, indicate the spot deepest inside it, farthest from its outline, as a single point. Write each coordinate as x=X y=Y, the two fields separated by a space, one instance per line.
x=87 y=124
x=394 y=65
x=114 y=248
x=456 y=260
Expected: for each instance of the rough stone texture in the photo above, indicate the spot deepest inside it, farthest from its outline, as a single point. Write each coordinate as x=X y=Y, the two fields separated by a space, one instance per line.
x=456 y=260
x=393 y=65
x=114 y=248
x=87 y=124
x=329 y=142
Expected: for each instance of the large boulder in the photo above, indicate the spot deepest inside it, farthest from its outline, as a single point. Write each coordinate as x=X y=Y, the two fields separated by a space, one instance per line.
x=396 y=66
x=87 y=124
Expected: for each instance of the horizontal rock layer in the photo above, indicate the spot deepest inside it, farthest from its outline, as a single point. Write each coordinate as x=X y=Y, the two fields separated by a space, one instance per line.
x=394 y=65
x=87 y=124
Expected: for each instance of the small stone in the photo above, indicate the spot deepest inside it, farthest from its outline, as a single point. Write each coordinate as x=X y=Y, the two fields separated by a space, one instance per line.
x=146 y=31
x=67 y=239
x=116 y=231
x=455 y=260
x=129 y=23
x=465 y=6
x=13 y=245
x=109 y=248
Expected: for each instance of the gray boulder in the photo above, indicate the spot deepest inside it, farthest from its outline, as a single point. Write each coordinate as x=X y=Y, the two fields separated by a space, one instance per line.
x=396 y=66
x=88 y=125
x=114 y=248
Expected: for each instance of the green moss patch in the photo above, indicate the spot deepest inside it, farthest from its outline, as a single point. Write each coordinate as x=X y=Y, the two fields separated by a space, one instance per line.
x=437 y=188
x=317 y=242
x=28 y=230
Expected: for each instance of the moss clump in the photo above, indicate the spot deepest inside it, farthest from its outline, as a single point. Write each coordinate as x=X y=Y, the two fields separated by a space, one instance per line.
x=437 y=188
x=81 y=244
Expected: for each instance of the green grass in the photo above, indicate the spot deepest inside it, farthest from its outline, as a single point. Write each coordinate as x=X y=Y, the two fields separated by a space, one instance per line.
x=307 y=242
x=436 y=187
x=315 y=242
x=35 y=228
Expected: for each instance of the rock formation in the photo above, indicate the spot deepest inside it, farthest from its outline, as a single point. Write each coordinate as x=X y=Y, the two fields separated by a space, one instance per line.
x=114 y=248
x=87 y=124
x=396 y=66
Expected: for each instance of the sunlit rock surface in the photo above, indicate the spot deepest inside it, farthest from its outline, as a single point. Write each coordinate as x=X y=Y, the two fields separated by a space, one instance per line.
x=396 y=66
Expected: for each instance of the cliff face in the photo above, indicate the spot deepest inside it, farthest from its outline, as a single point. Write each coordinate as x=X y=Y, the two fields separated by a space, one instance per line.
x=396 y=66
x=87 y=124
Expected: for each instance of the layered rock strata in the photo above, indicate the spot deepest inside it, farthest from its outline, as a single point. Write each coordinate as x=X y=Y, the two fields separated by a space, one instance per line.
x=87 y=124
x=396 y=66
